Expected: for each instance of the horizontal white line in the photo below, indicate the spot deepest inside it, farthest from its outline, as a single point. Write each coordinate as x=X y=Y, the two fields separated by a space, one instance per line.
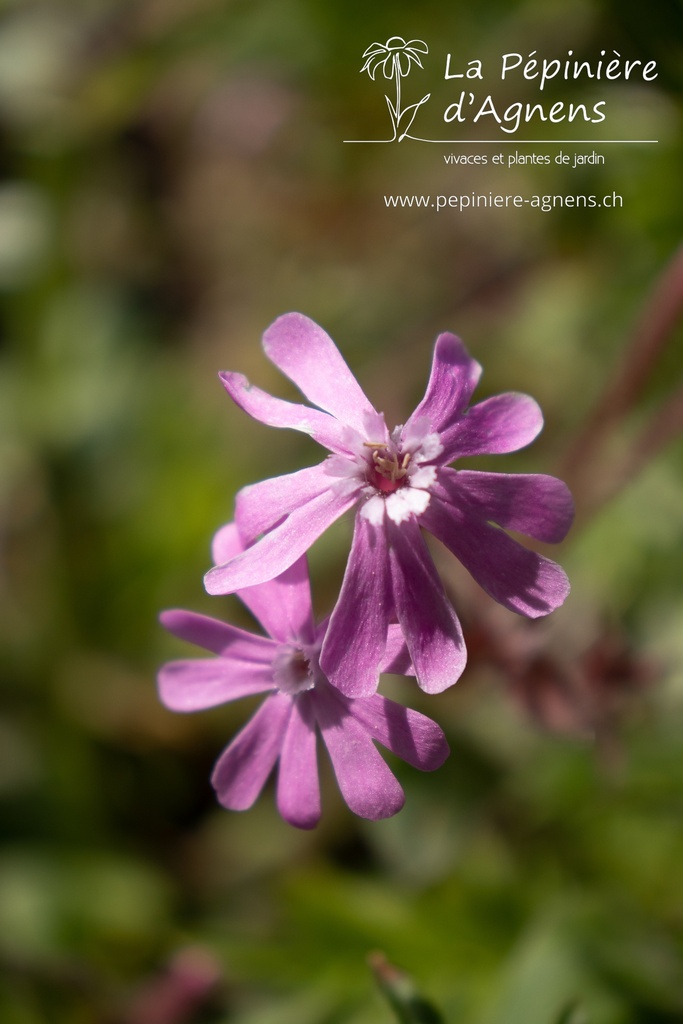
x=520 y=142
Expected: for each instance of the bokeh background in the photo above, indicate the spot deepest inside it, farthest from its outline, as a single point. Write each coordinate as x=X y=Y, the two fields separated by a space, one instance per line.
x=173 y=178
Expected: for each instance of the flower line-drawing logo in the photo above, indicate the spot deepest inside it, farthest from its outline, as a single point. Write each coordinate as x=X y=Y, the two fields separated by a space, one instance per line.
x=396 y=58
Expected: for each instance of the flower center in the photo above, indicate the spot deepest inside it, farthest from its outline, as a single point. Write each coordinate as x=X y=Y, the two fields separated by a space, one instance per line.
x=389 y=468
x=292 y=671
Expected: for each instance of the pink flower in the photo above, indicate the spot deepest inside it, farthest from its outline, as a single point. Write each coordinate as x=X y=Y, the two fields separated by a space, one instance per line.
x=399 y=481
x=300 y=701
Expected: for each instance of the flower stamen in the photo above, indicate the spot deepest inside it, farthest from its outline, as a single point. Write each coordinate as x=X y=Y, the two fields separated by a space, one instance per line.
x=389 y=467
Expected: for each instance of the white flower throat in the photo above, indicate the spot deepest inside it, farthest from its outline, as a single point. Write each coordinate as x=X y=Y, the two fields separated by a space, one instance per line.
x=396 y=481
x=391 y=477
x=293 y=671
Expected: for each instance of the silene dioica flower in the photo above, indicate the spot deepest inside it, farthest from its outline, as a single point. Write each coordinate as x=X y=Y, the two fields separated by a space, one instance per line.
x=400 y=482
x=300 y=702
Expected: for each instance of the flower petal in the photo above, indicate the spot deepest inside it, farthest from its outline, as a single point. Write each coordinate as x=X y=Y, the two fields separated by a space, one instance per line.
x=521 y=580
x=280 y=548
x=534 y=504
x=307 y=355
x=402 y=63
x=427 y=618
x=356 y=638
x=275 y=412
x=374 y=63
x=298 y=787
x=218 y=637
x=366 y=782
x=374 y=60
x=396 y=656
x=452 y=381
x=413 y=57
x=261 y=506
x=283 y=605
x=374 y=48
x=413 y=737
x=503 y=423
x=226 y=544
x=242 y=769
x=199 y=683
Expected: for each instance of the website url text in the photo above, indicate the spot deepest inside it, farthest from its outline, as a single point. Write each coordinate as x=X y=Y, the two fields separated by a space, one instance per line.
x=490 y=200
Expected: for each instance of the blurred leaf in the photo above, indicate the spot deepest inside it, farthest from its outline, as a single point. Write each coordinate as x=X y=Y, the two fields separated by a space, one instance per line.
x=399 y=988
x=573 y=1013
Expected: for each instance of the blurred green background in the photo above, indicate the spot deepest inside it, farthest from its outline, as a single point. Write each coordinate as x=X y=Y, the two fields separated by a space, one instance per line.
x=173 y=177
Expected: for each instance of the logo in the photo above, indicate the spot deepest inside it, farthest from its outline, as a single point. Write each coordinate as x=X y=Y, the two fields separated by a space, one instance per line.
x=396 y=58
x=467 y=101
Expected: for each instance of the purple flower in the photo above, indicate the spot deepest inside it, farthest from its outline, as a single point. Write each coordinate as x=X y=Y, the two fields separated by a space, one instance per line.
x=400 y=481
x=300 y=702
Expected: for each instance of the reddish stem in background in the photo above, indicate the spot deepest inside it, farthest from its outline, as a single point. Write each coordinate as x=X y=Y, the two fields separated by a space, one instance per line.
x=663 y=310
x=665 y=425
